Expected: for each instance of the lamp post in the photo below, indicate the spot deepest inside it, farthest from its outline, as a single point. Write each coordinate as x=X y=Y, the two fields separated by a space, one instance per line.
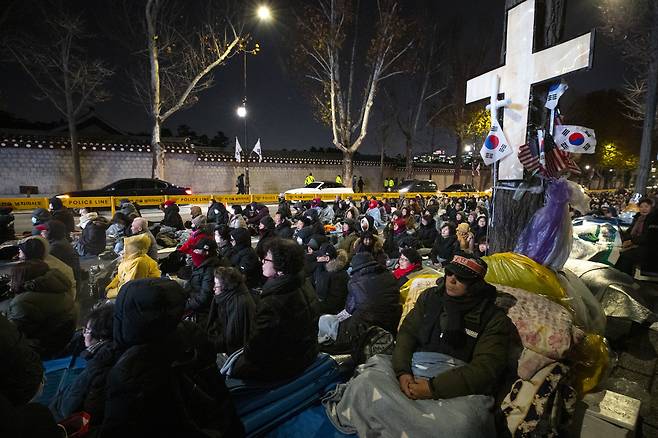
x=264 y=14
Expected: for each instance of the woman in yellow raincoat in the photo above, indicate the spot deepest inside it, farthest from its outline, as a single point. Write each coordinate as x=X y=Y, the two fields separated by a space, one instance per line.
x=135 y=264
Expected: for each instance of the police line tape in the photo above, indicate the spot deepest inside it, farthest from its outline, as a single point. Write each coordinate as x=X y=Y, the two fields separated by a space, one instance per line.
x=113 y=201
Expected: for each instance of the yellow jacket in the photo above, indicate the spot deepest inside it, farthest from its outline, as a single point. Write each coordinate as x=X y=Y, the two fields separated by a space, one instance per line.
x=136 y=264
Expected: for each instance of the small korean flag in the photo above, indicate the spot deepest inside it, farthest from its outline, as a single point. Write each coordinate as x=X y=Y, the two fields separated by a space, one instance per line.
x=238 y=150
x=555 y=91
x=495 y=146
x=576 y=139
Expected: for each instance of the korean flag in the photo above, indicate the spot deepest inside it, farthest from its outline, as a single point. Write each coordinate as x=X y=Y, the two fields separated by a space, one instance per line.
x=576 y=139
x=555 y=91
x=495 y=145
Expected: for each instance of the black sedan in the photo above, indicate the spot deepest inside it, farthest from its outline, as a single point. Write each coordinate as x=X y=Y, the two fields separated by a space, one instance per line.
x=132 y=187
x=459 y=188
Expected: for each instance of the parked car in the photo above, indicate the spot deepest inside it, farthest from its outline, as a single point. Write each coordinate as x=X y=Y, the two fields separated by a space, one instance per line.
x=132 y=187
x=459 y=188
x=328 y=187
x=417 y=186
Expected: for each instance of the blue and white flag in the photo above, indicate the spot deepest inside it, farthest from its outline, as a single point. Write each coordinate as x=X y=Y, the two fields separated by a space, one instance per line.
x=257 y=150
x=555 y=91
x=575 y=139
x=238 y=151
x=496 y=146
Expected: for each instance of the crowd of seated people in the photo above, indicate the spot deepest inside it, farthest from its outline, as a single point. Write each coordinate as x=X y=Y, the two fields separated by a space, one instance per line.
x=255 y=294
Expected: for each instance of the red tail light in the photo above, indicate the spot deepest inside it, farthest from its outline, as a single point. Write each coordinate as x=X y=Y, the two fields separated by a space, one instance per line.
x=188 y=191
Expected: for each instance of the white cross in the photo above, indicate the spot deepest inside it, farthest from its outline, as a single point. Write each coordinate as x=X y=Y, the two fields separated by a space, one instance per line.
x=522 y=69
x=494 y=103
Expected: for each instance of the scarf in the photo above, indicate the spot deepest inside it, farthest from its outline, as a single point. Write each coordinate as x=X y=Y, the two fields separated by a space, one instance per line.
x=456 y=308
x=401 y=272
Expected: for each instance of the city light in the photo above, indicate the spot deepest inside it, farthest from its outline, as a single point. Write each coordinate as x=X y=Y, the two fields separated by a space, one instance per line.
x=242 y=111
x=468 y=148
x=587 y=167
x=264 y=13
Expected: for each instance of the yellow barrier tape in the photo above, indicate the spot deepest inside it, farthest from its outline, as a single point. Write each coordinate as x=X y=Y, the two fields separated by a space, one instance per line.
x=87 y=202
x=269 y=198
x=189 y=199
x=24 y=203
x=141 y=200
x=233 y=199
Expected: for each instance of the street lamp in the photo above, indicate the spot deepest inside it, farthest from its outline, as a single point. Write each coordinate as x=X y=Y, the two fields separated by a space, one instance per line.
x=264 y=14
x=587 y=167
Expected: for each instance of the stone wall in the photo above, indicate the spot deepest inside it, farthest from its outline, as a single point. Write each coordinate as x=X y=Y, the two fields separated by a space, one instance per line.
x=51 y=170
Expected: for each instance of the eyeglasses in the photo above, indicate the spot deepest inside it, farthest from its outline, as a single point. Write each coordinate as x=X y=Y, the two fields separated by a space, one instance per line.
x=449 y=273
x=268 y=260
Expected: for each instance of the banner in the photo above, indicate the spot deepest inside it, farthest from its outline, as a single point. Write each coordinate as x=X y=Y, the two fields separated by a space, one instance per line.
x=575 y=139
x=495 y=146
x=24 y=203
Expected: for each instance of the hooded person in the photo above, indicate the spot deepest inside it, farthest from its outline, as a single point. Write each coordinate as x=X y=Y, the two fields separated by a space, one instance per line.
x=427 y=232
x=367 y=224
x=266 y=232
x=283 y=341
x=60 y=213
x=329 y=279
x=256 y=212
x=237 y=219
x=244 y=258
x=457 y=318
x=217 y=213
x=231 y=312
x=198 y=221
x=7 y=231
x=222 y=234
x=190 y=244
x=348 y=237
x=60 y=247
x=92 y=238
x=39 y=217
x=128 y=209
x=200 y=286
x=369 y=242
x=172 y=216
x=135 y=264
x=410 y=261
x=42 y=308
x=38 y=248
x=163 y=365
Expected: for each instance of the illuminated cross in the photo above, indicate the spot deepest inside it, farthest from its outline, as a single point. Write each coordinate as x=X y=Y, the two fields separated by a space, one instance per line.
x=522 y=69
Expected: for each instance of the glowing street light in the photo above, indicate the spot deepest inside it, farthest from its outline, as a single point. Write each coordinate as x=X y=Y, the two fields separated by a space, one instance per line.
x=242 y=111
x=468 y=148
x=264 y=13
x=587 y=167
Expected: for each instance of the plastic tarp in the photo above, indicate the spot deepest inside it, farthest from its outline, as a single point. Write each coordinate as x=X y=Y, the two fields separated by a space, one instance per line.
x=596 y=239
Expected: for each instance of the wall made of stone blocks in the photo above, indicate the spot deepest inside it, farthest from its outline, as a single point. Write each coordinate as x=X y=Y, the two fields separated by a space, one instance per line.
x=52 y=172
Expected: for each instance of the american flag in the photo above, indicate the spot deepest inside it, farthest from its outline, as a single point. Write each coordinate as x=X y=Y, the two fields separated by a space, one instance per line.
x=557 y=160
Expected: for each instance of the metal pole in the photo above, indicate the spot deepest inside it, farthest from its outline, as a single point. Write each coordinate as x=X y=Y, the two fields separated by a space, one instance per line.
x=244 y=103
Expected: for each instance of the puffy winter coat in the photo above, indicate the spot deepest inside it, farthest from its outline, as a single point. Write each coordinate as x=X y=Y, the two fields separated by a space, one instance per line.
x=217 y=213
x=61 y=248
x=283 y=341
x=484 y=349
x=87 y=392
x=200 y=287
x=135 y=264
x=7 y=231
x=330 y=283
x=259 y=212
x=231 y=319
x=373 y=296
x=45 y=313
x=62 y=214
x=244 y=258
x=284 y=230
x=444 y=248
x=172 y=217
x=427 y=234
x=147 y=392
x=92 y=239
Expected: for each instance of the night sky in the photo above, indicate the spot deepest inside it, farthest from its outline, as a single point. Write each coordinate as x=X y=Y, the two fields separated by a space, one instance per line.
x=279 y=113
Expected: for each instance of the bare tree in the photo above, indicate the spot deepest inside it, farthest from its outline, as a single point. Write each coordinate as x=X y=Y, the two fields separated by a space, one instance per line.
x=634 y=25
x=182 y=50
x=427 y=84
x=58 y=66
x=332 y=55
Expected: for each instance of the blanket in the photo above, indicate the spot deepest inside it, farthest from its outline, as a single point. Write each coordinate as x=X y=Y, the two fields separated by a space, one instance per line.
x=372 y=404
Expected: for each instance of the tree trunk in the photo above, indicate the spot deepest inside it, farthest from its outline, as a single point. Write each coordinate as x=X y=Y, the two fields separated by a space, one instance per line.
x=458 y=162
x=157 y=168
x=75 y=152
x=348 y=167
x=409 y=149
x=649 y=114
